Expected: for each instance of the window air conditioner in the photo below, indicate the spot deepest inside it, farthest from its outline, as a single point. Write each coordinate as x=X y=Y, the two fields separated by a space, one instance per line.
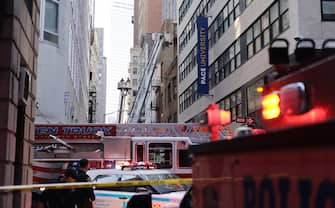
x=168 y=39
x=24 y=85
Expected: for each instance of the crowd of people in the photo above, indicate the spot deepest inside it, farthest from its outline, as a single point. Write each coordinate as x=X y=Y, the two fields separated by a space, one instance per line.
x=72 y=197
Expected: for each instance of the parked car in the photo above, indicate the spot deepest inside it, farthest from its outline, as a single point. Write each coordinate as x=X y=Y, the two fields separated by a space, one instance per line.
x=163 y=195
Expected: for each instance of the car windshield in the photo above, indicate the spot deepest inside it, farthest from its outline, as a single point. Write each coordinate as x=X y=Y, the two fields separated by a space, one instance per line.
x=165 y=188
x=106 y=178
x=157 y=189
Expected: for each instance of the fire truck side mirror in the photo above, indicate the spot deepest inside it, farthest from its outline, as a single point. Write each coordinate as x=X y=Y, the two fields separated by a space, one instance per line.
x=278 y=55
x=328 y=47
x=304 y=50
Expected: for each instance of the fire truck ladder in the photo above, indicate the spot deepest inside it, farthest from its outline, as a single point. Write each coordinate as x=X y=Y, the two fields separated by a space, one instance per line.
x=145 y=82
x=191 y=130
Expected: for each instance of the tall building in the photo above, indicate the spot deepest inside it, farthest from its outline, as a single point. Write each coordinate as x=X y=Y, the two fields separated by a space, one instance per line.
x=147 y=18
x=63 y=62
x=168 y=99
x=147 y=22
x=158 y=59
x=135 y=75
x=240 y=32
x=102 y=81
x=169 y=10
x=19 y=41
x=93 y=78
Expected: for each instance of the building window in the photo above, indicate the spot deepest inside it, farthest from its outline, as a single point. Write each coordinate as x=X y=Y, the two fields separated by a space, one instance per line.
x=134 y=82
x=188 y=64
x=224 y=19
x=189 y=29
x=135 y=70
x=233 y=103
x=175 y=87
x=135 y=59
x=272 y=22
x=169 y=93
x=160 y=154
x=188 y=97
x=51 y=21
x=254 y=97
x=225 y=64
x=328 y=10
x=266 y=27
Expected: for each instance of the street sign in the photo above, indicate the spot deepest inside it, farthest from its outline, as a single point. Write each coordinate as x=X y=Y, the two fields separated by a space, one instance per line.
x=247 y=120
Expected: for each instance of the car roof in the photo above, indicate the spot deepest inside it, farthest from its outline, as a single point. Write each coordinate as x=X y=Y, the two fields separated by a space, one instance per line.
x=95 y=172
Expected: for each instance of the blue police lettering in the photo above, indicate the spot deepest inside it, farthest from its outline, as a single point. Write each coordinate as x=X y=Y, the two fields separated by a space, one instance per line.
x=304 y=188
x=284 y=187
x=266 y=195
x=249 y=192
x=325 y=193
x=266 y=189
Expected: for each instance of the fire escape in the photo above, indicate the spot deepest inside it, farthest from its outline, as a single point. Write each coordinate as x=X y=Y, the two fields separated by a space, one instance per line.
x=92 y=105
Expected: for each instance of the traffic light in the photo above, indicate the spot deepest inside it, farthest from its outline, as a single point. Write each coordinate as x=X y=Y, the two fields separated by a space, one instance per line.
x=215 y=118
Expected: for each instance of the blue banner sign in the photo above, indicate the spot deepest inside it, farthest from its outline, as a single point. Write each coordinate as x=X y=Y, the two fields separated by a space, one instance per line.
x=202 y=55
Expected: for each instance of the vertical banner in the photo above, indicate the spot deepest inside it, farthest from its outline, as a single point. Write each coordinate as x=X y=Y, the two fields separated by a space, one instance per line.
x=202 y=55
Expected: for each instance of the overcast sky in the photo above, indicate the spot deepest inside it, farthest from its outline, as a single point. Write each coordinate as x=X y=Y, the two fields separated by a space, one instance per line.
x=115 y=17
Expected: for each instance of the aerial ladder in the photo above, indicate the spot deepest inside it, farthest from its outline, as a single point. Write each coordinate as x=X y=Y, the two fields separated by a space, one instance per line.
x=144 y=88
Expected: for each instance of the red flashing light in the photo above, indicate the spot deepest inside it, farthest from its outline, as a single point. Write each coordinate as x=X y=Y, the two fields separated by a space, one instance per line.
x=270 y=106
x=148 y=163
x=138 y=165
x=133 y=163
x=289 y=100
x=258 y=131
x=215 y=119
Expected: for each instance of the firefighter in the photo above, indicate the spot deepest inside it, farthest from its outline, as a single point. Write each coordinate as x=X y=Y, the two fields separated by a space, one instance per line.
x=56 y=198
x=86 y=195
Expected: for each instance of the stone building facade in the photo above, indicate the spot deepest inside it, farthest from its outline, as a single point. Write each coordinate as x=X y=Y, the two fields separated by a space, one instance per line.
x=19 y=39
x=169 y=88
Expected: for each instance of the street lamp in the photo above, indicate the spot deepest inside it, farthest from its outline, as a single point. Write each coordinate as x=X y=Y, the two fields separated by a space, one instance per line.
x=124 y=87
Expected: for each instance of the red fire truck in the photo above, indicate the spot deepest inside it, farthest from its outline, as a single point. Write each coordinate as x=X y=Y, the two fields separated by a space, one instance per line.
x=292 y=164
x=112 y=145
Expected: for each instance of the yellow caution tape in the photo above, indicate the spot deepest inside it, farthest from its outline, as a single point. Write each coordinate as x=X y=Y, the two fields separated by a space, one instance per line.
x=93 y=184
x=131 y=183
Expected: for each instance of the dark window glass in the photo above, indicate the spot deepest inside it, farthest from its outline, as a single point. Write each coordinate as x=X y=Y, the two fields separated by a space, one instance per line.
x=328 y=9
x=160 y=154
x=185 y=158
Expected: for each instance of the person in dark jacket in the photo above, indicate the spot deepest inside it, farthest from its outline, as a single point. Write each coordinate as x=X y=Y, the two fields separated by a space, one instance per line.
x=86 y=194
x=60 y=198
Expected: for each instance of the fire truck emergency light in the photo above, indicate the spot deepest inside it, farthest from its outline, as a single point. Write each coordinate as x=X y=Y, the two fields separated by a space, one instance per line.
x=270 y=106
x=215 y=119
x=290 y=100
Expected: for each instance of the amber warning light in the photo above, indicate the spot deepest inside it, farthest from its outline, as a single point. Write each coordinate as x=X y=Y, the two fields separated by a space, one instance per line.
x=290 y=100
x=270 y=106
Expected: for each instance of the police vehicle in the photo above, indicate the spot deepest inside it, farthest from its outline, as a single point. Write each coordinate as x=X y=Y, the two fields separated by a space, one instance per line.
x=163 y=195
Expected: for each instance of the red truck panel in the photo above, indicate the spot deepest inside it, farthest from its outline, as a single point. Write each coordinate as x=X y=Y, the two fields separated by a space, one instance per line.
x=319 y=80
x=291 y=168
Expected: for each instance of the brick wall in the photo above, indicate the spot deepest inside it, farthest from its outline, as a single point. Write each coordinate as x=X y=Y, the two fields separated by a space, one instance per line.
x=19 y=37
